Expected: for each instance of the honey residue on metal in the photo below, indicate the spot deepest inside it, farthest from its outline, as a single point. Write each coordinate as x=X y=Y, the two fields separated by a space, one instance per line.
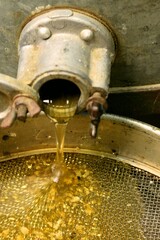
x=99 y=200
x=72 y=197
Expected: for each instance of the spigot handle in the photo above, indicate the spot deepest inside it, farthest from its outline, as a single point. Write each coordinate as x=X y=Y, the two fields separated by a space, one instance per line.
x=96 y=106
x=16 y=99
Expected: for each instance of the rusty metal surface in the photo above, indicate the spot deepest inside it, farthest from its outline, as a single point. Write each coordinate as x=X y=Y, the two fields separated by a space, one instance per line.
x=11 y=89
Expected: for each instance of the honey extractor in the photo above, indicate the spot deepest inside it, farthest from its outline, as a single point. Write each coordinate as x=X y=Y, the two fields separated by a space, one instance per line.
x=110 y=189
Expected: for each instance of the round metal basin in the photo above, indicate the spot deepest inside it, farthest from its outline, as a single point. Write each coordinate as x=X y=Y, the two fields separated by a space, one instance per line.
x=120 y=138
x=113 y=193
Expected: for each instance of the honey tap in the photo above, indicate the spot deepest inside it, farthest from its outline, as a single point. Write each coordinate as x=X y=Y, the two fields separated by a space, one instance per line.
x=96 y=106
x=61 y=49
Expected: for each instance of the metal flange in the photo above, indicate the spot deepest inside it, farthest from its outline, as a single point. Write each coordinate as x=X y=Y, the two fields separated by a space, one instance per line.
x=69 y=45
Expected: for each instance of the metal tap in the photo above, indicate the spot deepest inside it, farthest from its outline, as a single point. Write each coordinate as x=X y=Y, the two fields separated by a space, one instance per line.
x=96 y=106
x=65 y=49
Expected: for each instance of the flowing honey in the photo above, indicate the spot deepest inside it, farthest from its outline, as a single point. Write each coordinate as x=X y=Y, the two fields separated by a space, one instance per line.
x=60 y=112
x=67 y=196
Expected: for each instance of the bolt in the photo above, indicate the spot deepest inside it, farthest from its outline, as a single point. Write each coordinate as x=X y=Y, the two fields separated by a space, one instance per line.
x=31 y=105
x=20 y=106
x=44 y=33
x=22 y=112
x=86 y=35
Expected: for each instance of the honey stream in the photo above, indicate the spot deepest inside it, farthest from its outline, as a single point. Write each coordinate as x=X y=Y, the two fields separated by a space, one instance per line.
x=83 y=197
x=60 y=112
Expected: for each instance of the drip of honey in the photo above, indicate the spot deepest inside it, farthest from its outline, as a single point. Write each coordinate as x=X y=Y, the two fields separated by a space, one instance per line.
x=60 y=112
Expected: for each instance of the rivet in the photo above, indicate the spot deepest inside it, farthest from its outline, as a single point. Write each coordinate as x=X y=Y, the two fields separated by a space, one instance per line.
x=86 y=35
x=44 y=32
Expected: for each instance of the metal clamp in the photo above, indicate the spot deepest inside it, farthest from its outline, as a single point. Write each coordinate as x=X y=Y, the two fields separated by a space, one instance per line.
x=16 y=99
